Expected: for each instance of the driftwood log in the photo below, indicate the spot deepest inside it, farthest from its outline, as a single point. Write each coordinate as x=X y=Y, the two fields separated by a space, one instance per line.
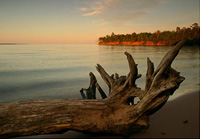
x=116 y=114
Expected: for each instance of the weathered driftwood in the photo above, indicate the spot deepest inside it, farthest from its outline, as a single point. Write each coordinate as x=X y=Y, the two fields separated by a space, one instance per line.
x=116 y=114
x=90 y=92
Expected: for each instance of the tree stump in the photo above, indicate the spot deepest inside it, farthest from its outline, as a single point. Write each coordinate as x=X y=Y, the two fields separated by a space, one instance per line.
x=116 y=114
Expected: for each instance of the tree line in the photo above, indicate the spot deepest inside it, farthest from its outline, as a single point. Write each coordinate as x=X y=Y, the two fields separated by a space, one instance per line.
x=169 y=37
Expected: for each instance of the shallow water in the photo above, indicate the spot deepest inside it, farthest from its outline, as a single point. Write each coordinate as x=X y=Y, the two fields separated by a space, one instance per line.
x=60 y=70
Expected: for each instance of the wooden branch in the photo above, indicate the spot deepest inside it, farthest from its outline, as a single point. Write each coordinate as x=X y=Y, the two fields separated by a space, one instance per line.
x=108 y=80
x=102 y=93
x=168 y=59
x=116 y=76
x=150 y=71
x=82 y=94
x=91 y=91
x=116 y=114
x=133 y=70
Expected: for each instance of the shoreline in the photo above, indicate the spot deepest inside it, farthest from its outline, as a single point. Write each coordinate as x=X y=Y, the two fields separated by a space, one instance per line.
x=192 y=42
x=179 y=118
x=137 y=43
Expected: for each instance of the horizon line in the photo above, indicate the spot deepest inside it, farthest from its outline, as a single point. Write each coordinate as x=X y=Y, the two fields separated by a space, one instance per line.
x=41 y=43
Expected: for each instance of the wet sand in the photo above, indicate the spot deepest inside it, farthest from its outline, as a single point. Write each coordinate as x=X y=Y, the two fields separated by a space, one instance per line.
x=179 y=118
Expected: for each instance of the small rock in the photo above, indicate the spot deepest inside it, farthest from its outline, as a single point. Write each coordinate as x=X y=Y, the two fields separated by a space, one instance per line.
x=185 y=122
x=163 y=133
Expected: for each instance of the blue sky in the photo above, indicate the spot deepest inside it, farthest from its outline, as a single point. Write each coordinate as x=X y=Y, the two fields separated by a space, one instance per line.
x=84 y=21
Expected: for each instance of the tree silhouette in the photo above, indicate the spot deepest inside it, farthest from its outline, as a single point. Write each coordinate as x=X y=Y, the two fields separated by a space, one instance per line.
x=168 y=37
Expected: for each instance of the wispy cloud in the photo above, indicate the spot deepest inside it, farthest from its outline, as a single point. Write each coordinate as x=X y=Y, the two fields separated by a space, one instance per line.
x=95 y=8
x=83 y=9
x=92 y=13
x=118 y=10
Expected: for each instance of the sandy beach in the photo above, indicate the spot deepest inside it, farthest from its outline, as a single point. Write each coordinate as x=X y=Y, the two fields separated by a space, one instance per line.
x=179 y=118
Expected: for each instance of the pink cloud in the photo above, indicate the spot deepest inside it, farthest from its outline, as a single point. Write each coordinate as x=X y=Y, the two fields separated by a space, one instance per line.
x=115 y=10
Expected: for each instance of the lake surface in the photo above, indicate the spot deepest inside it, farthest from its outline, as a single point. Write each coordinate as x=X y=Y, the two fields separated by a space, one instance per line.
x=60 y=70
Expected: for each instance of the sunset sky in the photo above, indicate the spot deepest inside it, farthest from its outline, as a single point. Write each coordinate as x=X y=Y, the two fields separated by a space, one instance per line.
x=84 y=21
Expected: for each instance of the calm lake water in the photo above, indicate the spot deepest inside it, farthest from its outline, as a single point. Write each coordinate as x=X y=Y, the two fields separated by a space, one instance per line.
x=60 y=70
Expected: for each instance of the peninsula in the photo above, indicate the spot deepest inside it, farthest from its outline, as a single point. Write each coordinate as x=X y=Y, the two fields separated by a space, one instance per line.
x=158 y=38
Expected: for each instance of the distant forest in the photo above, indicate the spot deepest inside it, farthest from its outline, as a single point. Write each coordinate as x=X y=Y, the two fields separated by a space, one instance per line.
x=166 y=37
